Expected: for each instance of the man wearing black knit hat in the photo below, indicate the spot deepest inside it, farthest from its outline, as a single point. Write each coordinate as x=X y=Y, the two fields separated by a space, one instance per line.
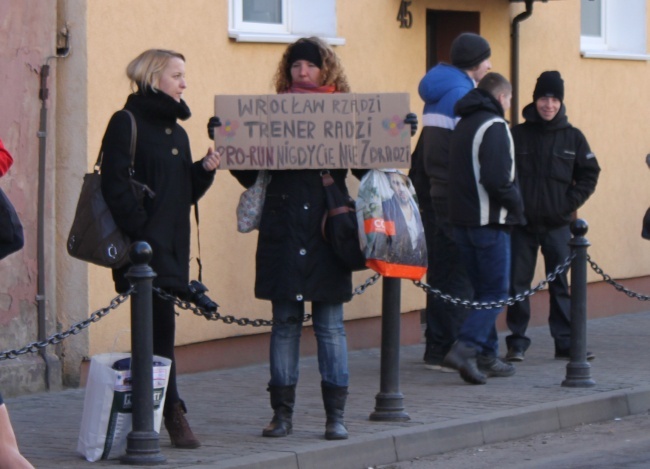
x=557 y=173
x=440 y=89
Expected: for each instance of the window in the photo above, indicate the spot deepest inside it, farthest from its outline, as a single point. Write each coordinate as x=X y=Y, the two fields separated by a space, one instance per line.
x=613 y=29
x=282 y=20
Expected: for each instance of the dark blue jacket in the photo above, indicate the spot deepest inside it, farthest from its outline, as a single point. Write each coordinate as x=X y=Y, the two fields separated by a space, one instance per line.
x=482 y=183
x=557 y=169
x=293 y=260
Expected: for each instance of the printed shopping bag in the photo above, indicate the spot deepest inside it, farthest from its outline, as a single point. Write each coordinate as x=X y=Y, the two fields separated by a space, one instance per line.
x=390 y=226
x=106 y=418
x=251 y=203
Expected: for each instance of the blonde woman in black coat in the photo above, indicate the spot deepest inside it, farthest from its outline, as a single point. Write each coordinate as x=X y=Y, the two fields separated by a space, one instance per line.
x=163 y=161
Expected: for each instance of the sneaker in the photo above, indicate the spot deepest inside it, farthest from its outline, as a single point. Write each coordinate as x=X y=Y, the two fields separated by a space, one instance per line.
x=565 y=354
x=515 y=355
x=494 y=367
x=435 y=363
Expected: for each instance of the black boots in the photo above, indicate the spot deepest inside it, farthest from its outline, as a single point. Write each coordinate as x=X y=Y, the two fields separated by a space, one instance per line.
x=283 y=399
x=334 y=401
x=463 y=358
x=179 y=430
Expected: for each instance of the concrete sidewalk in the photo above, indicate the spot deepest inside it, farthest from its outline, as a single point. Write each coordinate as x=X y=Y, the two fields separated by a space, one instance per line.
x=229 y=408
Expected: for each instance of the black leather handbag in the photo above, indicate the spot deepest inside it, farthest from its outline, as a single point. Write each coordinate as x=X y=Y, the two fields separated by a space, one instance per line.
x=11 y=230
x=340 y=226
x=94 y=237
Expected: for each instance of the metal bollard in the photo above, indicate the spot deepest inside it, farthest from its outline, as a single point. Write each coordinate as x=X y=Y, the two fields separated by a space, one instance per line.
x=578 y=371
x=142 y=443
x=389 y=402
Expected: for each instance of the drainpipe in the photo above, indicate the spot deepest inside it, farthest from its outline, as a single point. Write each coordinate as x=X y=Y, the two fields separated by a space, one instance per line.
x=514 y=60
x=61 y=52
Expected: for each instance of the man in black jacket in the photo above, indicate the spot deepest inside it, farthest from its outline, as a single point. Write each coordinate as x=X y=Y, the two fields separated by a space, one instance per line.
x=484 y=202
x=557 y=173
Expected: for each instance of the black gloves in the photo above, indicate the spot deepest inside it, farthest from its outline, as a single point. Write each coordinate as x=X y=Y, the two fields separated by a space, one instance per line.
x=412 y=120
x=216 y=122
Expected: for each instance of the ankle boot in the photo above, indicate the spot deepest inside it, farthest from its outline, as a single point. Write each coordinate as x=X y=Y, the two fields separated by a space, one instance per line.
x=283 y=399
x=334 y=398
x=463 y=358
x=179 y=429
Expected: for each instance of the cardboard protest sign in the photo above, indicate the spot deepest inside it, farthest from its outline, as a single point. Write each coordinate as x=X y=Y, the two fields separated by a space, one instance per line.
x=317 y=131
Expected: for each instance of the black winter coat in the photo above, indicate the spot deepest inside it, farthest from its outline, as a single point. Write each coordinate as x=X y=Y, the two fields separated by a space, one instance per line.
x=163 y=162
x=482 y=183
x=557 y=170
x=293 y=261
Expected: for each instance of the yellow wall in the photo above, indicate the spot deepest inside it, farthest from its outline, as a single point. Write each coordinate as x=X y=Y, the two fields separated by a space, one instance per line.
x=605 y=99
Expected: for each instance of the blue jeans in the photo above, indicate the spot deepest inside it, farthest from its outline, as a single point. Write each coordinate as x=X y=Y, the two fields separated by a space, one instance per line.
x=485 y=251
x=330 y=338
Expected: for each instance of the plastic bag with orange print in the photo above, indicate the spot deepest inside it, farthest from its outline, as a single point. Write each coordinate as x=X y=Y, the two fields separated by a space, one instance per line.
x=390 y=227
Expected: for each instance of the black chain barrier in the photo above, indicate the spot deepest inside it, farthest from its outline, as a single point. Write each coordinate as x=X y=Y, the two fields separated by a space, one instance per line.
x=73 y=330
x=229 y=319
x=76 y=328
x=497 y=304
x=615 y=284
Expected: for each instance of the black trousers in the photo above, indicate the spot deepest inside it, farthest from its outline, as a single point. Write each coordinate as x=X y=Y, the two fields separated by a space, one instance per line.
x=555 y=250
x=164 y=331
x=447 y=274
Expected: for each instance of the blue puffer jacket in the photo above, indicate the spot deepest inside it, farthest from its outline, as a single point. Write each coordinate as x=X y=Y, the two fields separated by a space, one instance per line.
x=440 y=89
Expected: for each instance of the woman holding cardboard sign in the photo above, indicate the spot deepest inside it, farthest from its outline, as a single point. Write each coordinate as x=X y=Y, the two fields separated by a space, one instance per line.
x=294 y=262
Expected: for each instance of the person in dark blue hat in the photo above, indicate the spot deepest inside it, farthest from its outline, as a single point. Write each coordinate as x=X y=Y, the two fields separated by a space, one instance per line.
x=557 y=173
x=440 y=89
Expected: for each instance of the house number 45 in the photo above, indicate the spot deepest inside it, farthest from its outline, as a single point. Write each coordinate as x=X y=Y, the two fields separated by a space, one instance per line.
x=404 y=16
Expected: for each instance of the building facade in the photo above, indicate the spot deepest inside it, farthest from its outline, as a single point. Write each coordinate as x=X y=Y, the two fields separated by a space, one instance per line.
x=63 y=65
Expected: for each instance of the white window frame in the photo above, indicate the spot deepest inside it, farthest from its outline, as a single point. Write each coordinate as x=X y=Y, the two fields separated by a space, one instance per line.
x=300 y=18
x=237 y=8
x=623 y=32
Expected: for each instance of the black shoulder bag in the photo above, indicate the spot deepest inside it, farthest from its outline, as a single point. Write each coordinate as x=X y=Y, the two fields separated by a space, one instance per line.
x=94 y=237
x=340 y=226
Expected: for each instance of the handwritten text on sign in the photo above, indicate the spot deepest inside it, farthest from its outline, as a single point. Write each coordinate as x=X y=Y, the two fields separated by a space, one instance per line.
x=300 y=131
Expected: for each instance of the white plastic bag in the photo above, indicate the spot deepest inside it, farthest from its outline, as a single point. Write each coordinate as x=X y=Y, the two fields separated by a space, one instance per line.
x=390 y=226
x=106 y=418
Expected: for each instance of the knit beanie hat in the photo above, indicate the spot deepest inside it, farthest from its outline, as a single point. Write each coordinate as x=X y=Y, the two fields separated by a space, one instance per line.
x=469 y=50
x=549 y=84
x=305 y=50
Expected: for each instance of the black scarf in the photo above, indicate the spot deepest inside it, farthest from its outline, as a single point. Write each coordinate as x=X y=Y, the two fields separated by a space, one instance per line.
x=158 y=106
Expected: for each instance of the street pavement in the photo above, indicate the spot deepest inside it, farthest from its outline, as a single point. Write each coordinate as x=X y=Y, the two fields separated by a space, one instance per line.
x=228 y=408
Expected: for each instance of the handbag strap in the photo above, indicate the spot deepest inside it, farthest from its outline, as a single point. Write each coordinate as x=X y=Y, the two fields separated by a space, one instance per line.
x=198 y=241
x=134 y=138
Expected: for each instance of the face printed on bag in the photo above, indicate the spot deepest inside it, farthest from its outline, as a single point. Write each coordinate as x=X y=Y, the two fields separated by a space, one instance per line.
x=172 y=79
x=398 y=184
